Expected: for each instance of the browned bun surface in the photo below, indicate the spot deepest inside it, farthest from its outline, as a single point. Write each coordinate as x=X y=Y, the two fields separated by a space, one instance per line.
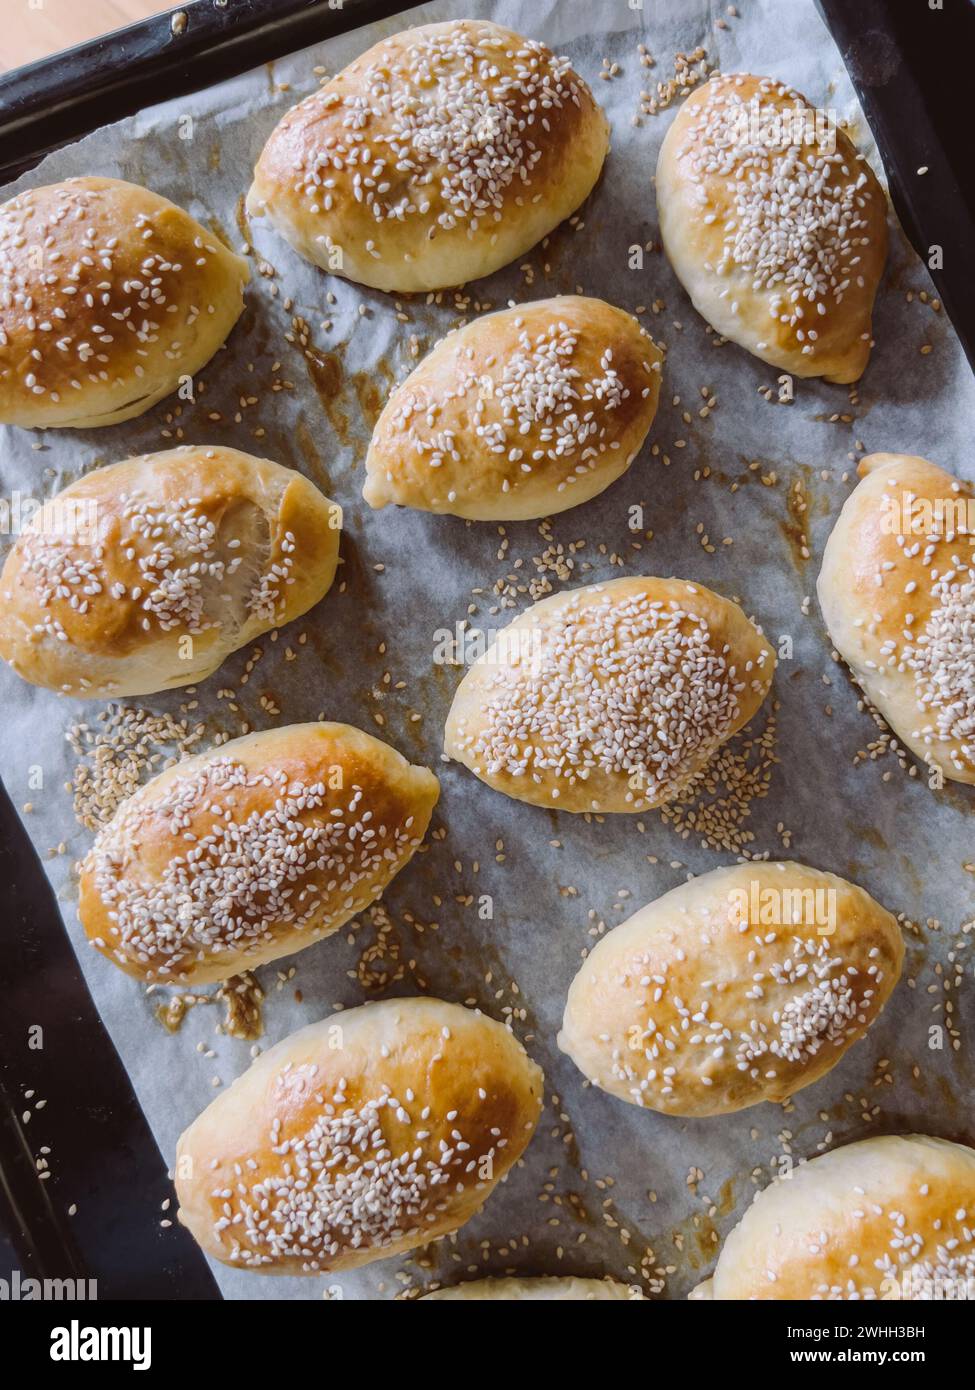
x=775 y=225
x=145 y=575
x=520 y=414
x=365 y=1135
x=109 y=294
x=252 y=851
x=439 y=155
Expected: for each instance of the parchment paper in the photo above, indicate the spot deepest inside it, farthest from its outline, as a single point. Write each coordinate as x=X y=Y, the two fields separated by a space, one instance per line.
x=603 y=1188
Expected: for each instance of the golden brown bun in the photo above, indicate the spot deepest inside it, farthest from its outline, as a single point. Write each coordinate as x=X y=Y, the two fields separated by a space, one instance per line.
x=611 y=697
x=252 y=851
x=518 y=415
x=545 y=1289
x=436 y=157
x=370 y=1133
x=774 y=224
x=898 y=596
x=743 y=985
x=109 y=294
x=890 y=1217
x=147 y=574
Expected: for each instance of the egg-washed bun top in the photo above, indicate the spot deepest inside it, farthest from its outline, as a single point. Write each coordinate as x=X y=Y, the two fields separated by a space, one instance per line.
x=520 y=414
x=890 y=1217
x=743 y=985
x=897 y=590
x=610 y=698
x=437 y=156
x=251 y=851
x=544 y=1289
x=146 y=574
x=775 y=225
x=370 y=1133
x=109 y=294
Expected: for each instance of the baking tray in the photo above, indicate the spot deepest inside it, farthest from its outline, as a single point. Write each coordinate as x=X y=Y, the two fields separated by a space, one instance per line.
x=906 y=62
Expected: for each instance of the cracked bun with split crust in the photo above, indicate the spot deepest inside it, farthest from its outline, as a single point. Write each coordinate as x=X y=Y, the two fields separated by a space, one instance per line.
x=109 y=295
x=897 y=590
x=609 y=698
x=744 y=985
x=518 y=415
x=251 y=851
x=438 y=156
x=370 y=1133
x=890 y=1217
x=545 y=1289
x=145 y=575
x=774 y=224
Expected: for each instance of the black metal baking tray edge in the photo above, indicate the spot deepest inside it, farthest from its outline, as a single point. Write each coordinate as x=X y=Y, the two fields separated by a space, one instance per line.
x=52 y=102
x=68 y=1112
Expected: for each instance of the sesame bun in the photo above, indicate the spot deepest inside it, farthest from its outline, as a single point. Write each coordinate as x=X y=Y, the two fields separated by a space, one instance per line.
x=743 y=985
x=109 y=295
x=370 y=1133
x=774 y=224
x=890 y=1217
x=897 y=590
x=543 y=1290
x=611 y=697
x=518 y=415
x=436 y=157
x=252 y=851
x=145 y=575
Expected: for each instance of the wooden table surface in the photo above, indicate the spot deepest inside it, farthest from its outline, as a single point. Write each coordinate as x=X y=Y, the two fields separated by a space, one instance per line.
x=32 y=29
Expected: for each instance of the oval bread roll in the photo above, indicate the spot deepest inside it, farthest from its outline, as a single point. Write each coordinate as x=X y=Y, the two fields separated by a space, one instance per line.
x=897 y=590
x=436 y=157
x=743 y=985
x=541 y=1290
x=252 y=851
x=890 y=1217
x=147 y=574
x=519 y=415
x=774 y=224
x=611 y=697
x=370 y=1133
x=109 y=294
